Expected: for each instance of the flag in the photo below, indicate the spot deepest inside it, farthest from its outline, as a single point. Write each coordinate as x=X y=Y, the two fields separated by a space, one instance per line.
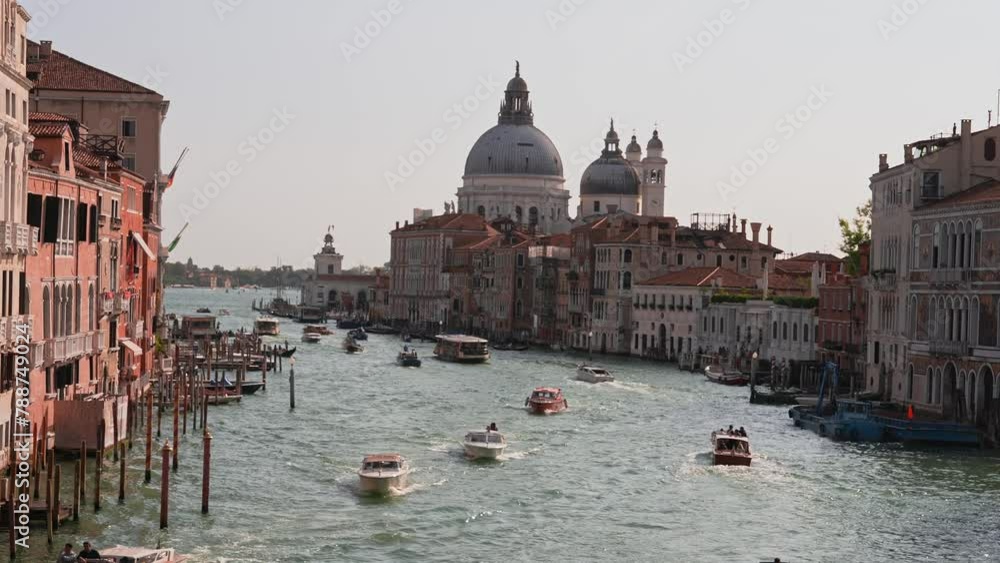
x=173 y=171
x=177 y=238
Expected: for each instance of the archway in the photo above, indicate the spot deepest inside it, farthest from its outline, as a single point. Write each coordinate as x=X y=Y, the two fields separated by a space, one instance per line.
x=949 y=404
x=984 y=403
x=663 y=337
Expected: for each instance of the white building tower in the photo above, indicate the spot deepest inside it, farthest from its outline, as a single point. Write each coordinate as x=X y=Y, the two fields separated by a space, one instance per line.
x=654 y=171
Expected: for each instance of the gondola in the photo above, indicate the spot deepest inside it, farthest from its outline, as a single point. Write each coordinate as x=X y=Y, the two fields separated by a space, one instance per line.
x=285 y=353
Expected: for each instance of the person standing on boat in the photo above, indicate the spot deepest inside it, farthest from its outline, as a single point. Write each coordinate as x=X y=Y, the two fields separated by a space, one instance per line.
x=67 y=555
x=88 y=553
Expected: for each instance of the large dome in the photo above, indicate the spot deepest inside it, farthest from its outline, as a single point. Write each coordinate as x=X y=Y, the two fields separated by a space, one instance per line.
x=508 y=148
x=610 y=174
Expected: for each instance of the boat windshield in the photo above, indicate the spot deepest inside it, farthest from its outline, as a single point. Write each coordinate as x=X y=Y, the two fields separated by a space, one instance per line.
x=734 y=446
x=544 y=395
x=483 y=437
x=376 y=465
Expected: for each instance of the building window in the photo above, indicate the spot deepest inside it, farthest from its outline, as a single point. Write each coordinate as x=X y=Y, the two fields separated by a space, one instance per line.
x=627 y=280
x=66 y=156
x=533 y=216
x=718 y=261
x=930 y=186
x=628 y=256
x=128 y=162
x=481 y=211
x=784 y=331
x=680 y=259
x=597 y=206
x=990 y=149
x=128 y=127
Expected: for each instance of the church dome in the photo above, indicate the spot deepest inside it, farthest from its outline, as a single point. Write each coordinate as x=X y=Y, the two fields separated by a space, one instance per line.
x=610 y=174
x=514 y=146
x=633 y=146
x=655 y=143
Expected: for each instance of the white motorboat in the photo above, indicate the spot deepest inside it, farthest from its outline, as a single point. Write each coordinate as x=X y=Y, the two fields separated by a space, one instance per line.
x=311 y=337
x=484 y=444
x=122 y=554
x=267 y=326
x=380 y=473
x=593 y=374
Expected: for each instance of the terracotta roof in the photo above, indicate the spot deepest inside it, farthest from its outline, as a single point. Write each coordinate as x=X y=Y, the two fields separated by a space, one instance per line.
x=450 y=221
x=61 y=72
x=779 y=281
x=83 y=157
x=47 y=129
x=986 y=192
x=815 y=257
x=704 y=276
x=557 y=240
x=49 y=116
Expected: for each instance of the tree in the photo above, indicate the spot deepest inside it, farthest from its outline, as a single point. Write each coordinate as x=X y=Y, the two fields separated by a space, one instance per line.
x=853 y=234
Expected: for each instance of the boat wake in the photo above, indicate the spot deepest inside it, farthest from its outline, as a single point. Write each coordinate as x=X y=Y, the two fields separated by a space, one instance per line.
x=511 y=456
x=634 y=387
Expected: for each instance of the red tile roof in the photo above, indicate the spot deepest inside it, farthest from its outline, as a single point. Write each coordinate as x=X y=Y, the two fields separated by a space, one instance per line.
x=62 y=72
x=704 y=276
x=987 y=192
x=452 y=222
x=816 y=257
x=47 y=129
x=49 y=116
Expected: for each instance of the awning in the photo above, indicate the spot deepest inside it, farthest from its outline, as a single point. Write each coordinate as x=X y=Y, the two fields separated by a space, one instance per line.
x=132 y=346
x=143 y=245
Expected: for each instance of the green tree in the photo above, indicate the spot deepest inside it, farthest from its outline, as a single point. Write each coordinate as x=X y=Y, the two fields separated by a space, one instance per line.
x=854 y=233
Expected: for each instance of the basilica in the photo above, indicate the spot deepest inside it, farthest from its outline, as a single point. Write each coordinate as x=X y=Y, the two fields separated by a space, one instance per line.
x=514 y=171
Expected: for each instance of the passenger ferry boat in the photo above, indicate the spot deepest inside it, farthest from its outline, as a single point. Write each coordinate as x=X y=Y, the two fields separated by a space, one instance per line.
x=730 y=449
x=381 y=472
x=317 y=329
x=546 y=400
x=593 y=374
x=484 y=444
x=461 y=348
x=266 y=326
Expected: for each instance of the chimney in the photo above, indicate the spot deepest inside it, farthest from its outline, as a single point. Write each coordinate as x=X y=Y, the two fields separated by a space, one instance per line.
x=755 y=229
x=966 y=163
x=769 y=229
x=743 y=227
x=406 y=223
x=397 y=225
x=44 y=49
x=907 y=154
x=883 y=162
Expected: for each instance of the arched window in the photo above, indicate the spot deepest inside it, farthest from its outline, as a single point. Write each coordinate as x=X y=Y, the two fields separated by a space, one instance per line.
x=774 y=330
x=46 y=314
x=805 y=332
x=628 y=256
x=929 y=387
x=481 y=210
x=990 y=149
x=518 y=309
x=718 y=261
x=936 y=252
x=909 y=384
x=784 y=330
x=533 y=216
x=795 y=332
x=520 y=282
x=627 y=280
x=597 y=206
x=915 y=258
x=977 y=244
x=92 y=308
x=663 y=259
x=519 y=214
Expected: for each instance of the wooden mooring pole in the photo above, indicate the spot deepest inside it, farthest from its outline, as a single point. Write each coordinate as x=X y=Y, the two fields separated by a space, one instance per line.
x=82 y=489
x=165 y=486
x=99 y=450
x=57 y=486
x=291 y=385
x=177 y=406
x=121 y=475
x=149 y=436
x=76 y=492
x=206 y=470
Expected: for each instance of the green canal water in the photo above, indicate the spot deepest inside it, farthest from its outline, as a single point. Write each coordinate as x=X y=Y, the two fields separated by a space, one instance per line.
x=624 y=475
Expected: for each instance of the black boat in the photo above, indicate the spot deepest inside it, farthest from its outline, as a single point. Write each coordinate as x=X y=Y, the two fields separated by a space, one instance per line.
x=381 y=329
x=203 y=310
x=358 y=334
x=248 y=388
x=285 y=352
x=347 y=323
x=408 y=358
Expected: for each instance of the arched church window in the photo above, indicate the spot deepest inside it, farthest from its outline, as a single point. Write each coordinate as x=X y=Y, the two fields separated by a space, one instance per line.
x=628 y=256
x=533 y=216
x=481 y=210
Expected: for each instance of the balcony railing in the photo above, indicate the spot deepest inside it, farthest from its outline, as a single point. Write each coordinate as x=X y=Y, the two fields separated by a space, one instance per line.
x=7 y=237
x=24 y=238
x=942 y=348
x=116 y=223
x=63 y=348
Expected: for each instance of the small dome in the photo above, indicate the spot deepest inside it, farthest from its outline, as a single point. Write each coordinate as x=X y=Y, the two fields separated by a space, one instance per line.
x=517 y=84
x=633 y=146
x=655 y=143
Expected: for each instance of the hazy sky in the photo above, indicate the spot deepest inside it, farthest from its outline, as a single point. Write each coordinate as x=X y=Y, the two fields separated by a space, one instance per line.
x=361 y=87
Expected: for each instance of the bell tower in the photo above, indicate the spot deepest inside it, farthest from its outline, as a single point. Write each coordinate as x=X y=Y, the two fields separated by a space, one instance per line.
x=654 y=172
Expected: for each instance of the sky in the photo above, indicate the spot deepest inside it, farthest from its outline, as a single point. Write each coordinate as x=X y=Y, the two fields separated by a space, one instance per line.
x=299 y=114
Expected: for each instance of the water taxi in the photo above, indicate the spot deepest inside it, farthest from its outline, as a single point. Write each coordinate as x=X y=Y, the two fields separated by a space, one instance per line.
x=546 y=400
x=462 y=349
x=358 y=333
x=311 y=337
x=266 y=326
x=352 y=346
x=593 y=374
x=381 y=472
x=726 y=376
x=317 y=329
x=484 y=444
x=408 y=358
x=730 y=449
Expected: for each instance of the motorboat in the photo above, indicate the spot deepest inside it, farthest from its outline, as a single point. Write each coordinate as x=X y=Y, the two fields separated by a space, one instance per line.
x=382 y=329
x=224 y=312
x=593 y=374
x=122 y=554
x=348 y=324
x=726 y=376
x=462 y=349
x=311 y=337
x=358 y=333
x=484 y=444
x=352 y=346
x=266 y=326
x=730 y=448
x=318 y=329
x=203 y=310
x=546 y=400
x=408 y=358
x=380 y=473
x=285 y=352
x=226 y=384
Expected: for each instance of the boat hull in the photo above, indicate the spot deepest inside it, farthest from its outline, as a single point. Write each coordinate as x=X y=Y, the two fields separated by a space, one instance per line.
x=720 y=458
x=409 y=362
x=381 y=484
x=479 y=451
x=593 y=378
x=547 y=407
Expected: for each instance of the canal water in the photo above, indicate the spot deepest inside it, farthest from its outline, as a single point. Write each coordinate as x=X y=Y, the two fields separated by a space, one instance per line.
x=624 y=475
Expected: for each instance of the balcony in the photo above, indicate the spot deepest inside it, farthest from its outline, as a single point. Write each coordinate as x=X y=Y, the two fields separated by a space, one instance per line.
x=942 y=348
x=116 y=223
x=7 y=237
x=884 y=279
x=33 y=241
x=135 y=331
x=598 y=291
x=24 y=236
x=63 y=348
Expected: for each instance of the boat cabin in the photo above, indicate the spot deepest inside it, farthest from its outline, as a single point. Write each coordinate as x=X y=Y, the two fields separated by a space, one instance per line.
x=734 y=444
x=484 y=437
x=462 y=348
x=383 y=462
x=546 y=394
x=198 y=327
